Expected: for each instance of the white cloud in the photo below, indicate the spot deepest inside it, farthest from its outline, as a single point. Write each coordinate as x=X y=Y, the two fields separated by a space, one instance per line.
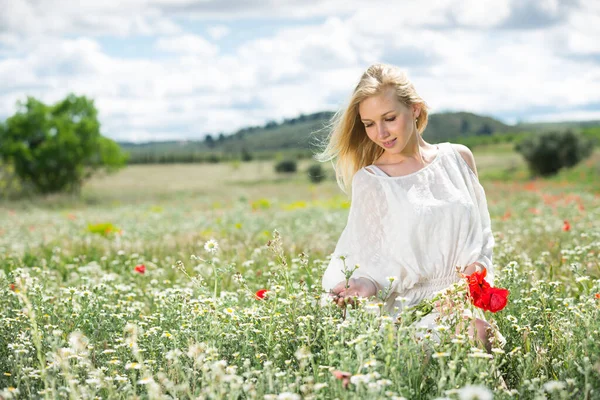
x=217 y=32
x=108 y=17
x=456 y=59
x=482 y=14
x=187 y=44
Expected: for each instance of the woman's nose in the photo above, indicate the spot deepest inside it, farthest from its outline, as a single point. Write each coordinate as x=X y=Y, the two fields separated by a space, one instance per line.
x=381 y=131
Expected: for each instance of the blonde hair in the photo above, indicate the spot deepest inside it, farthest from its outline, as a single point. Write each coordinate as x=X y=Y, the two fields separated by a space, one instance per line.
x=347 y=141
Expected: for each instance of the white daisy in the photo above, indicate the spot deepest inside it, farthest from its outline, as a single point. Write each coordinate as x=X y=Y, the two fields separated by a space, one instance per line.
x=475 y=392
x=145 y=381
x=211 y=246
x=552 y=386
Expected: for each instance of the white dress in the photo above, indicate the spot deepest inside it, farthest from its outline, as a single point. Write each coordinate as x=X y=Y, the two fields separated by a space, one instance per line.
x=415 y=227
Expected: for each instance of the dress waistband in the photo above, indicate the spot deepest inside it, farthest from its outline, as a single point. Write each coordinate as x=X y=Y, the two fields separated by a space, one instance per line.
x=434 y=284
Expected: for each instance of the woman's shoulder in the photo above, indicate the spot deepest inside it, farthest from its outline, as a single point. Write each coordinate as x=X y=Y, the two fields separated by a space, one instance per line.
x=465 y=154
x=362 y=182
x=360 y=177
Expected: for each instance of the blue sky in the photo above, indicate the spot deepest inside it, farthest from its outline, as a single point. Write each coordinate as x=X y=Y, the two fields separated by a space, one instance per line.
x=179 y=69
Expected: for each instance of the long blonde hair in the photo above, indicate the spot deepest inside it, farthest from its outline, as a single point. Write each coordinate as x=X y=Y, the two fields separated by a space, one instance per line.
x=347 y=141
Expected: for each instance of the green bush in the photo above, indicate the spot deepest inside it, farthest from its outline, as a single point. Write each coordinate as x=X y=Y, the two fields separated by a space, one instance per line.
x=316 y=173
x=246 y=155
x=286 y=166
x=546 y=153
x=213 y=158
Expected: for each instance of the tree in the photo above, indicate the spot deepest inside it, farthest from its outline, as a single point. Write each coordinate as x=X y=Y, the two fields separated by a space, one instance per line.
x=546 y=153
x=210 y=142
x=465 y=126
x=485 y=129
x=55 y=148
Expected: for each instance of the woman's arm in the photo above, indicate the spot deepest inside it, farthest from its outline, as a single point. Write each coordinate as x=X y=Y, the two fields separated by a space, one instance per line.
x=361 y=242
x=486 y=254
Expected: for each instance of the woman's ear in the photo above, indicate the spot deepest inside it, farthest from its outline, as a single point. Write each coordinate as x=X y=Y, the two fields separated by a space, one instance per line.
x=416 y=110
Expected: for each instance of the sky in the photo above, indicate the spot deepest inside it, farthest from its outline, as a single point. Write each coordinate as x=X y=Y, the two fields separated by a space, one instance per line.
x=181 y=69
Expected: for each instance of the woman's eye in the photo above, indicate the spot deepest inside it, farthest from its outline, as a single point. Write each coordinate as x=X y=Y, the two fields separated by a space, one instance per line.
x=390 y=119
x=368 y=125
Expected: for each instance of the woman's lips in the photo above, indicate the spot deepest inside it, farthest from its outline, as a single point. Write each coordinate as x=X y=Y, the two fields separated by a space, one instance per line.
x=390 y=143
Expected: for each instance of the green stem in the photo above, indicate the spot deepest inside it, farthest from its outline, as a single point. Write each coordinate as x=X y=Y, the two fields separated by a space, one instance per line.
x=215 y=273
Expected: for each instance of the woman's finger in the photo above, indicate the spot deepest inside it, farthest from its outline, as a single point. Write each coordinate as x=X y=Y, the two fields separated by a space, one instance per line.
x=339 y=287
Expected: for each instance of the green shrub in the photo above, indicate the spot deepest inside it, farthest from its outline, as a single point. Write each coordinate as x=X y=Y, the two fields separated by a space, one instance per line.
x=546 y=153
x=286 y=166
x=246 y=155
x=316 y=173
x=213 y=158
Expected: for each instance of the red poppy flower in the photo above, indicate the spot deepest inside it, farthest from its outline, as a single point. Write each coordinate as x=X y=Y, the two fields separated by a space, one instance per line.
x=12 y=287
x=498 y=299
x=566 y=226
x=261 y=294
x=140 y=268
x=597 y=295
x=483 y=295
x=342 y=376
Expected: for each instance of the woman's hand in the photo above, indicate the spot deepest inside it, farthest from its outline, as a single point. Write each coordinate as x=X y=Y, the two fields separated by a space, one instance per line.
x=473 y=267
x=361 y=287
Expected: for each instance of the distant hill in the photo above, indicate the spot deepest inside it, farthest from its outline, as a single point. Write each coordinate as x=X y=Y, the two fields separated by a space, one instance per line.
x=300 y=136
x=544 y=126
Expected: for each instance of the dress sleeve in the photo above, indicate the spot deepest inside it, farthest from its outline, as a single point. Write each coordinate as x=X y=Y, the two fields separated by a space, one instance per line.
x=488 y=242
x=361 y=241
x=484 y=253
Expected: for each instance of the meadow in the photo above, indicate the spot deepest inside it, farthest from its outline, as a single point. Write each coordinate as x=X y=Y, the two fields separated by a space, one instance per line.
x=151 y=285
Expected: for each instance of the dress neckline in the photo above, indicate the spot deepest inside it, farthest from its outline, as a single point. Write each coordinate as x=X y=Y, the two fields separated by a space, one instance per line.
x=386 y=176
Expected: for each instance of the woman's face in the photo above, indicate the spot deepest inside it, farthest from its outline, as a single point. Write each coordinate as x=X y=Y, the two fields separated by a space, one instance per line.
x=388 y=122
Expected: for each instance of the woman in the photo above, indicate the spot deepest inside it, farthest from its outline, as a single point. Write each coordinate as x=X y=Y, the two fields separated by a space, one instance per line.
x=417 y=209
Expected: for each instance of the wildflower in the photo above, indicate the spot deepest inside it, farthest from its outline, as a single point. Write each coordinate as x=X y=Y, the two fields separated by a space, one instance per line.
x=303 y=353
x=566 y=226
x=360 y=378
x=343 y=376
x=319 y=386
x=13 y=287
x=597 y=296
x=475 y=392
x=483 y=295
x=288 y=396
x=480 y=354
x=9 y=392
x=370 y=363
x=132 y=365
x=173 y=354
x=140 y=269
x=211 y=246
x=145 y=381
x=551 y=386
x=261 y=294
x=229 y=311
